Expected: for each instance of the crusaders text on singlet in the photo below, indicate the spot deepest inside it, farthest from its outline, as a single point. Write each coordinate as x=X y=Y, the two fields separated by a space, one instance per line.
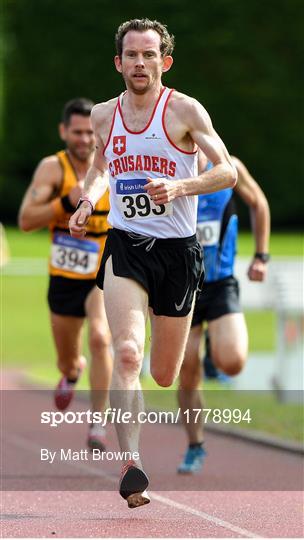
x=135 y=155
x=77 y=258
x=217 y=229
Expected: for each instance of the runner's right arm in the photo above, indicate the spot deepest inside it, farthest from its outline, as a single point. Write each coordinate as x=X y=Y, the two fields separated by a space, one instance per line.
x=38 y=207
x=41 y=203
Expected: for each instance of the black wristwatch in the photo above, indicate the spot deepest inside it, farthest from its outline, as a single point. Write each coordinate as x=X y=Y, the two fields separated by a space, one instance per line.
x=264 y=257
x=67 y=205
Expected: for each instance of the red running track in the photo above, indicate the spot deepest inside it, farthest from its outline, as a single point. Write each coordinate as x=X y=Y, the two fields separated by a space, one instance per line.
x=245 y=490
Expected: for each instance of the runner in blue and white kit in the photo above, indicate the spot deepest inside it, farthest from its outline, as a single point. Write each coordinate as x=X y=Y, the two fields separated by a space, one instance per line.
x=152 y=264
x=218 y=304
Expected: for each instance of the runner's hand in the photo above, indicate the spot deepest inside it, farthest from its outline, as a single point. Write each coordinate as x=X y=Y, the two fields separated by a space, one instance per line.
x=161 y=190
x=79 y=220
x=257 y=270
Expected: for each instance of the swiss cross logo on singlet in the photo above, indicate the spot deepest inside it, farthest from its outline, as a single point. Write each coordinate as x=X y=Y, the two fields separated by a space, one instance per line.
x=119 y=144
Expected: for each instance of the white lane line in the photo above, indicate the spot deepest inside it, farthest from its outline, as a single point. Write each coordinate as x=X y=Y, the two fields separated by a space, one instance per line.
x=25 y=266
x=216 y=521
x=245 y=533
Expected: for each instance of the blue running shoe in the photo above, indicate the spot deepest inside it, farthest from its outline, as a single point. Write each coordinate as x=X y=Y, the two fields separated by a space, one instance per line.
x=193 y=461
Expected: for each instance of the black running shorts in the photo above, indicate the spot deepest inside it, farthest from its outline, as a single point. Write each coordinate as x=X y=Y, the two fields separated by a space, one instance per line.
x=169 y=269
x=67 y=296
x=217 y=298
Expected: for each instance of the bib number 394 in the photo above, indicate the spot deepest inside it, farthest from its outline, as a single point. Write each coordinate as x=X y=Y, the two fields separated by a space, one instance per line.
x=135 y=203
x=74 y=255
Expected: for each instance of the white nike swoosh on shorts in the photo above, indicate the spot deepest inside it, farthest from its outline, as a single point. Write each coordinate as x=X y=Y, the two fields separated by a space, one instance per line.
x=180 y=306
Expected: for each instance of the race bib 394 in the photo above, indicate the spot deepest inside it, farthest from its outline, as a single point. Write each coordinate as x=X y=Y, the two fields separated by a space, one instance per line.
x=74 y=254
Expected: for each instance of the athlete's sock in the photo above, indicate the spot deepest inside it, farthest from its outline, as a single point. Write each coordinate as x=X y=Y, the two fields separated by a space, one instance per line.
x=72 y=380
x=196 y=446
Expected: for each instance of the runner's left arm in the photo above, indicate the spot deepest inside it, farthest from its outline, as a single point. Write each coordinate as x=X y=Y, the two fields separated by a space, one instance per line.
x=223 y=173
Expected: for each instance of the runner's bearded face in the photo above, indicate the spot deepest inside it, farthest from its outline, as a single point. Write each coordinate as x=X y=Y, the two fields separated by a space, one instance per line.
x=79 y=137
x=141 y=62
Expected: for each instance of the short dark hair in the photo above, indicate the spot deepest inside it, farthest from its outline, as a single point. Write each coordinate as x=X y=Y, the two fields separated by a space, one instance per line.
x=82 y=106
x=141 y=25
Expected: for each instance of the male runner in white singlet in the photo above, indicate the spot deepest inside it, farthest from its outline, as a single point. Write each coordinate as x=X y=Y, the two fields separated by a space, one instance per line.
x=148 y=139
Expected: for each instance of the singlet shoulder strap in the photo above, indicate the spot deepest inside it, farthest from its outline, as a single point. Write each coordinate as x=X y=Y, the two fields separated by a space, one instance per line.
x=112 y=124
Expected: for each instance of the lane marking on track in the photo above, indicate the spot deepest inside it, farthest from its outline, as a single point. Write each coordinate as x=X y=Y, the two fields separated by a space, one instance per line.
x=24 y=443
x=216 y=521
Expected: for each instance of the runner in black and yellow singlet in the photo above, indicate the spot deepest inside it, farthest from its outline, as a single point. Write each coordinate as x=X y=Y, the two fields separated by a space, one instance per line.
x=72 y=295
x=70 y=258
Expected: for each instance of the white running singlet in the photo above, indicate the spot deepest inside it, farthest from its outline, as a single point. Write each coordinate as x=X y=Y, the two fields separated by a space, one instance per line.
x=132 y=157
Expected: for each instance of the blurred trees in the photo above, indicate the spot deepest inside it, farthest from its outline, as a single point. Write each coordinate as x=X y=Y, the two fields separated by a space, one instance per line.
x=241 y=59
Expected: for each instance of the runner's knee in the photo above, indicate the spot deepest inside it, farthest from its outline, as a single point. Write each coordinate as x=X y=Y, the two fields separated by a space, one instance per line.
x=99 y=340
x=230 y=361
x=163 y=380
x=163 y=377
x=128 y=357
